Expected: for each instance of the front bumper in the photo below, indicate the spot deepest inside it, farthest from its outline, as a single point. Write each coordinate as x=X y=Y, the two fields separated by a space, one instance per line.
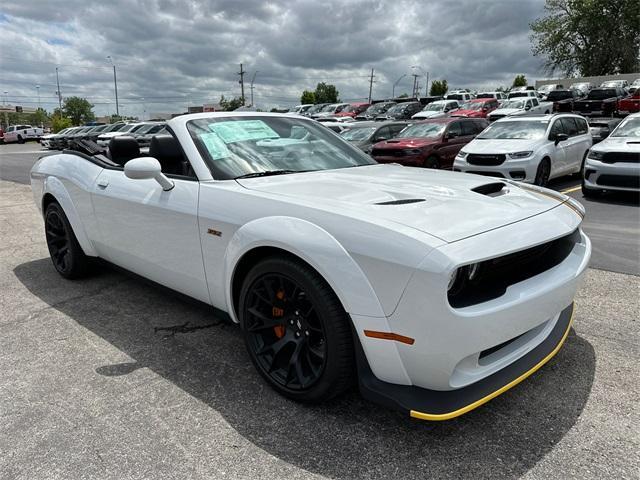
x=521 y=170
x=435 y=405
x=619 y=176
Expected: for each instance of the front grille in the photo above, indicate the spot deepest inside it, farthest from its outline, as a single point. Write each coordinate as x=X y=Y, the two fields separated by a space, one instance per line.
x=621 y=181
x=497 y=274
x=388 y=152
x=627 y=157
x=485 y=160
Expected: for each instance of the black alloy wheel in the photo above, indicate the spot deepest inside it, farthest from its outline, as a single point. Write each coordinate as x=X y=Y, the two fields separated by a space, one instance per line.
x=296 y=331
x=543 y=173
x=66 y=254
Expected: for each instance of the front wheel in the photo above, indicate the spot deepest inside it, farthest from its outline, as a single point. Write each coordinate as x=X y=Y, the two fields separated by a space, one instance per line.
x=296 y=331
x=20 y=139
x=543 y=173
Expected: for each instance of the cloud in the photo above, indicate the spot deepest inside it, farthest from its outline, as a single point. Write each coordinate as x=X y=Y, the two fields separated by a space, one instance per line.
x=169 y=54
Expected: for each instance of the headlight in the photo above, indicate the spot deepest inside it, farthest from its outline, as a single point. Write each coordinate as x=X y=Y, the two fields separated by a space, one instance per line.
x=462 y=154
x=460 y=276
x=595 y=155
x=520 y=154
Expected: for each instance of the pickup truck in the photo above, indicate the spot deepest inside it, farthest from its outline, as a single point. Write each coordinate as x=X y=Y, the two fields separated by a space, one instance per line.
x=520 y=106
x=600 y=102
x=22 y=133
x=630 y=104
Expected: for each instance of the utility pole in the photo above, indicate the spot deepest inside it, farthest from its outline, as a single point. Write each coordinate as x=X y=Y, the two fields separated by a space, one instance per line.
x=241 y=73
x=115 y=84
x=426 y=88
x=38 y=89
x=58 y=92
x=371 y=84
x=415 y=81
x=252 y=80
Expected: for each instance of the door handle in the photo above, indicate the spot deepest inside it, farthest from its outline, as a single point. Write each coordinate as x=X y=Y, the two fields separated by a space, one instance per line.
x=103 y=183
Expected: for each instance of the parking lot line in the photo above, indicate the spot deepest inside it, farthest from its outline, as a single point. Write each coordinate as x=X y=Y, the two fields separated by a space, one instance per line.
x=572 y=189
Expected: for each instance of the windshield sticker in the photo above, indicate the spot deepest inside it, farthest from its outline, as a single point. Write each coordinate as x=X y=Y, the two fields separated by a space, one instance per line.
x=215 y=146
x=243 y=130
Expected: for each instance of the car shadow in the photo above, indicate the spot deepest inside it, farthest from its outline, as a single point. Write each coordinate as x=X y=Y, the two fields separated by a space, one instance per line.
x=348 y=438
x=616 y=198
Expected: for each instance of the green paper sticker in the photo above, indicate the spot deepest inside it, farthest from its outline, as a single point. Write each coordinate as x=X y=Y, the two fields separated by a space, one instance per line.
x=216 y=147
x=243 y=130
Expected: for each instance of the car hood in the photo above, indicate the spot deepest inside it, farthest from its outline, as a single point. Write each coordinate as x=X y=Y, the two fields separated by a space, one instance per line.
x=429 y=114
x=498 y=145
x=506 y=111
x=444 y=204
x=415 y=142
x=619 y=144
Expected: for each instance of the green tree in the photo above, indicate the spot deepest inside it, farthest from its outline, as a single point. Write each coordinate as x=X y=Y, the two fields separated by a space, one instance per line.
x=404 y=95
x=307 y=97
x=59 y=122
x=588 y=37
x=439 y=88
x=79 y=110
x=230 y=105
x=41 y=117
x=520 y=81
x=326 y=93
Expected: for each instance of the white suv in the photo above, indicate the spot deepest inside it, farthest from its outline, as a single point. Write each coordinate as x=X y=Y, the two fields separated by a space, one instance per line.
x=528 y=148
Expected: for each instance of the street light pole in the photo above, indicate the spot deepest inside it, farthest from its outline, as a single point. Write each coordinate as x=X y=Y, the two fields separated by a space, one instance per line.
x=38 y=90
x=58 y=92
x=251 y=87
x=393 y=91
x=115 y=84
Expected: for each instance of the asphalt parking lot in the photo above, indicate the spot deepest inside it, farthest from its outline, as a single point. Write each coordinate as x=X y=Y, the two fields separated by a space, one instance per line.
x=96 y=383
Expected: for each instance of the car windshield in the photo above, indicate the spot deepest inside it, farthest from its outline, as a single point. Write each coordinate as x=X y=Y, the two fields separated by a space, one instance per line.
x=355 y=134
x=127 y=128
x=247 y=145
x=422 y=130
x=328 y=108
x=559 y=95
x=516 y=130
x=399 y=108
x=434 y=107
x=513 y=104
x=472 y=106
x=379 y=108
x=601 y=94
x=628 y=128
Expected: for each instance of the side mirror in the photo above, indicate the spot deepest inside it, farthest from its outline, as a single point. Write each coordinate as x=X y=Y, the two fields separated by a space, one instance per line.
x=561 y=137
x=380 y=138
x=146 y=168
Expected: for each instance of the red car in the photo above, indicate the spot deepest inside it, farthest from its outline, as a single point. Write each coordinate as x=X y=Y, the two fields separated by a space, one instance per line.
x=352 y=110
x=630 y=104
x=431 y=143
x=476 y=108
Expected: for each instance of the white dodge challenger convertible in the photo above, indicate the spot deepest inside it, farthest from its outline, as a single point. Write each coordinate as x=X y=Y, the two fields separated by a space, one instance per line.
x=435 y=291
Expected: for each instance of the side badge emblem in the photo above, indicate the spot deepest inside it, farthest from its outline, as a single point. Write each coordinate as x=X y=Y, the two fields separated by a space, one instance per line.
x=211 y=231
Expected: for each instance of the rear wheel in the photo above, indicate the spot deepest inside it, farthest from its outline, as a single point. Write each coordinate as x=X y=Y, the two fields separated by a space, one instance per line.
x=20 y=139
x=296 y=331
x=66 y=253
x=543 y=173
x=432 y=162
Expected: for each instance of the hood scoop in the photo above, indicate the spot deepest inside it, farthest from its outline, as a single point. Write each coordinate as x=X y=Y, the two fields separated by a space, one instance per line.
x=494 y=189
x=403 y=201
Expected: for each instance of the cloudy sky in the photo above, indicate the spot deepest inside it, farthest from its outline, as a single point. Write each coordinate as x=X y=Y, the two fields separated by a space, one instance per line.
x=173 y=53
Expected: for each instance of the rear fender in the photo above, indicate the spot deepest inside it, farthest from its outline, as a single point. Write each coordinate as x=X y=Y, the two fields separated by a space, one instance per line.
x=55 y=187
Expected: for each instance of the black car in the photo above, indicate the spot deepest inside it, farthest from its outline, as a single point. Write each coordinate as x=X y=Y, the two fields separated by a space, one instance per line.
x=68 y=140
x=563 y=100
x=364 y=134
x=401 y=111
x=374 y=110
x=600 y=101
x=600 y=128
x=96 y=132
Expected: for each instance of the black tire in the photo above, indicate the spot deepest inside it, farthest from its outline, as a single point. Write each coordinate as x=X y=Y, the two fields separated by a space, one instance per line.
x=590 y=192
x=20 y=139
x=543 y=173
x=66 y=253
x=431 y=162
x=288 y=310
x=580 y=173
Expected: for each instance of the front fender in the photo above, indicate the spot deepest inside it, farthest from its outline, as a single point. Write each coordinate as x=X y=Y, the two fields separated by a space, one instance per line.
x=315 y=246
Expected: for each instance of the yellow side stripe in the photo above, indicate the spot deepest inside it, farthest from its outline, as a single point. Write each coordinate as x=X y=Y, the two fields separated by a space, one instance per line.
x=572 y=189
x=513 y=383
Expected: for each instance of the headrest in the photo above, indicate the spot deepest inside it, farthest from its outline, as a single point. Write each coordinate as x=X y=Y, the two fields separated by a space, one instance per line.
x=123 y=149
x=165 y=148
